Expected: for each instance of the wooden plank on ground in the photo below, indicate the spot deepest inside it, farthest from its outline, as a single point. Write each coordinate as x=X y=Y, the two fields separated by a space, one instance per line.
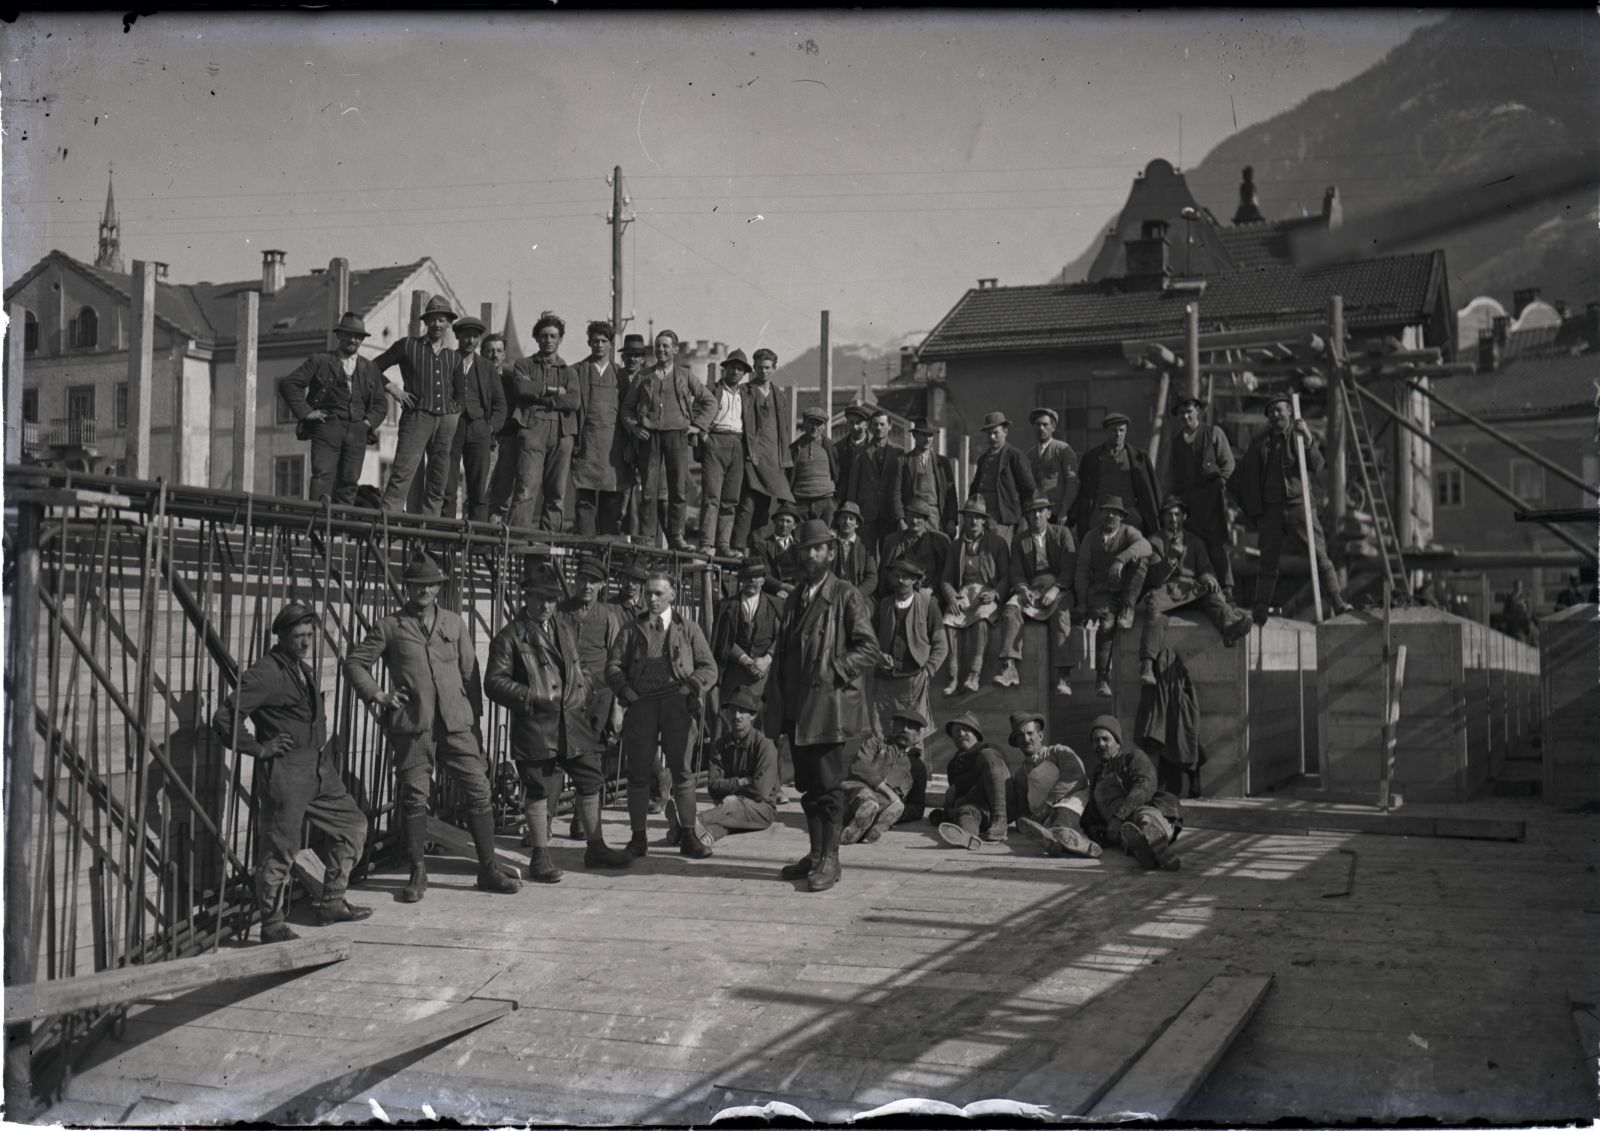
x=133 y=983
x=458 y=842
x=294 y=1092
x=1263 y=819
x=1175 y=1066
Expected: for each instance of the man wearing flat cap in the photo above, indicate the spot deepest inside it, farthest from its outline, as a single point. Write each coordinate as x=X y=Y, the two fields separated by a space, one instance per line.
x=545 y=403
x=780 y=553
x=483 y=414
x=430 y=399
x=855 y=559
x=338 y=398
x=912 y=646
x=884 y=771
x=1114 y=467
x=534 y=672
x=721 y=420
x=1054 y=464
x=744 y=634
x=921 y=541
x=813 y=467
x=297 y=774
x=766 y=453
x=634 y=352
x=1044 y=562
x=825 y=654
x=741 y=774
x=431 y=713
x=660 y=411
x=977 y=579
x=1125 y=808
x=1269 y=491
x=927 y=478
x=855 y=418
x=600 y=457
x=873 y=482
x=1180 y=576
x=597 y=624
x=1110 y=577
x=1002 y=478
x=1200 y=463
x=974 y=808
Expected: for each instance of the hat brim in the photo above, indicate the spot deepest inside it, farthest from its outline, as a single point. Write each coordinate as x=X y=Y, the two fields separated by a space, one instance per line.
x=989 y=425
x=337 y=330
x=469 y=326
x=432 y=577
x=1017 y=730
x=449 y=314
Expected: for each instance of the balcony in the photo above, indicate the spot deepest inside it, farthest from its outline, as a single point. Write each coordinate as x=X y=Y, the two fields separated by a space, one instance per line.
x=71 y=432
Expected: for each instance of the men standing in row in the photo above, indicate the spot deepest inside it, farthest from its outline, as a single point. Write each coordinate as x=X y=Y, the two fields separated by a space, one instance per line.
x=873 y=483
x=1270 y=490
x=1043 y=562
x=925 y=477
x=431 y=715
x=430 y=399
x=1054 y=464
x=721 y=421
x=1113 y=468
x=659 y=410
x=825 y=651
x=814 y=476
x=543 y=394
x=483 y=414
x=766 y=452
x=1200 y=465
x=600 y=464
x=1002 y=478
x=339 y=399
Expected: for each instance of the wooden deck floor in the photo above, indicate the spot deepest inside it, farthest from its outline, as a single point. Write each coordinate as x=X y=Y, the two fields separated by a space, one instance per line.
x=1438 y=986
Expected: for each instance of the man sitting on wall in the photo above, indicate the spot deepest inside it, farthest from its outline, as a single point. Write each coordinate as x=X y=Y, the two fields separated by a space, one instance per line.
x=1110 y=576
x=1180 y=575
x=1043 y=561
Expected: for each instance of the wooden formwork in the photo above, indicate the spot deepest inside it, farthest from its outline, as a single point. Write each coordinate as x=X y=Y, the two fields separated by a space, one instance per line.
x=1569 y=659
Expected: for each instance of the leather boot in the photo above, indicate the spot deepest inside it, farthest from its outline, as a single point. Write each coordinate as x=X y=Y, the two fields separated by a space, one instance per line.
x=598 y=854
x=417 y=886
x=541 y=869
x=689 y=842
x=827 y=870
x=414 y=830
x=490 y=877
x=638 y=815
x=807 y=864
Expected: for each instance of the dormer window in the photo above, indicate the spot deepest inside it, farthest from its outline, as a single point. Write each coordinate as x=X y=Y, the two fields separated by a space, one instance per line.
x=84 y=331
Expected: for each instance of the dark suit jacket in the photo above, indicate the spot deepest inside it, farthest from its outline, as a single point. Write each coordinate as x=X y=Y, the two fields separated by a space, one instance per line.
x=994 y=566
x=783 y=566
x=930 y=554
x=483 y=397
x=925 y=635
x=308 y=388
x=546 y=692
x=1060 y=557
x=823 y=656
x=874 y=483
x=274 y=696
x=1142 y=508
x=944 y=485
x=1014 y=482
x=544 y=390
x=858 y=566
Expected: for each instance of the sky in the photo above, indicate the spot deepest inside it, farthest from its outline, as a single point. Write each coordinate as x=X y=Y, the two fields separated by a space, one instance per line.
x=778 y=164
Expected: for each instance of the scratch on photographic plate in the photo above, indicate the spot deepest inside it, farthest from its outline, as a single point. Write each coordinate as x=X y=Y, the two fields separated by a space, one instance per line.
x=638 y=129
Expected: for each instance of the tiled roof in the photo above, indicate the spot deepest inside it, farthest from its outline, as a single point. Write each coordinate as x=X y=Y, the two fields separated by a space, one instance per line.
x=1533 y=386
x=1266 y=244
x=1386 y=291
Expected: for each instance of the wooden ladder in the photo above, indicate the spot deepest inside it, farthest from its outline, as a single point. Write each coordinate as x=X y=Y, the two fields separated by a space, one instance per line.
x=1366 y=458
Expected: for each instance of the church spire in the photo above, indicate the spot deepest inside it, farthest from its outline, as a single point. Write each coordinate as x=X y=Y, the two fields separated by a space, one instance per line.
x=513 y=342
x=109 y=255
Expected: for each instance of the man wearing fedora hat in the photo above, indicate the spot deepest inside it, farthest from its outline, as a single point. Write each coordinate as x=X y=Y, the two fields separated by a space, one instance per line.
x=600 y=463
x=873 y=481
x=977 y=577
x=720 y=418
x=1126 y=809
x=660 y=411
x=1002 y=477
x=743 y=635
x=766 y=452
x=856 y=417
x=974 y=808
x=535 y=672
x=1270 y=493
x=296 y=774
x=483 y=414
x=855 y=560
x=1046 y=794
x=1109 y=578
x=912 y=644
x=741 y=774
x=1054 y=464
x=430 y=399
x=780 y=553
x=927 y=478
x=338 y=398
x=596 y=623
x=825 y=653
x=1180 y=575
x=1044 y=561
x=545 y=403
x=1199 y=465
x=882 y=774
x=813 y=467
x=431 y=714
x=922 y=542
x=1114 y=467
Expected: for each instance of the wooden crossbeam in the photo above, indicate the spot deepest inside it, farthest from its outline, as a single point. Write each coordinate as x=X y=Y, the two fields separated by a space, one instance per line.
x=1172 y=1069
x=1232 y=817
x=39 y=1000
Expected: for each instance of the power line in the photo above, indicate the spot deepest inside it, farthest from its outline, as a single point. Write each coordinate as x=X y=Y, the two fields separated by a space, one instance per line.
x=731 y=274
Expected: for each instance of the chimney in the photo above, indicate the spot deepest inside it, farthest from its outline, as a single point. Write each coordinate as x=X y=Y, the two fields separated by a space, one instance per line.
x=988 y=284
x=1488 y=352
x=1561 y=308
x=161 y=271
x=1591 y=325
x=1502 y=331
x=1332 y=209
x=719 y=349
x=272 y=271
x=1249 y=211
x=1149 y=256
x=1520 y=300
x=701 y=347
x=908 y=361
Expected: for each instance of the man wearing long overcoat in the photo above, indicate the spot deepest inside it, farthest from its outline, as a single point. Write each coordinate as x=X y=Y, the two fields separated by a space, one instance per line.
x=1117 y=468
x=599 y=456
x=1200 y=463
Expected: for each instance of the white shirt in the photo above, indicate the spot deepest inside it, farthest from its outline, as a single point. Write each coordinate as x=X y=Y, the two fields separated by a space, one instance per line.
x=750 y=604
x=662 y=620
x=348 y=364
x=730 y=413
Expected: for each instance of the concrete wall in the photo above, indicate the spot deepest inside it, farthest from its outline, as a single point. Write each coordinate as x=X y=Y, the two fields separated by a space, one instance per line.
x=1569 y=659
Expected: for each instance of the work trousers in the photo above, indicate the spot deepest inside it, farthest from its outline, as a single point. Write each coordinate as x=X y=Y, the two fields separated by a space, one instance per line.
x=1162 y=602
x=976 y=809
x=816 y=508
x=819 y=771
x=754 y=521
x=415 y=756
x=737 y=814
x=338 y=448
x=1150 y=820
x=541 y=779
x=533 y=484
x=291 y=789
x=1214 y=537
x=1011 y=618
x=599 y=512
x=471 y=457
x=666 y=475
x=888 y=805
x=972 y=640
x=421 y=434
x=1286 y=521
x=1103 y=608
x=669 y=722
x=721 y=484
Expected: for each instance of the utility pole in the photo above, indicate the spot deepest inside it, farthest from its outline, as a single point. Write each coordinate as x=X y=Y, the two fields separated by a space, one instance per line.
x=827 y=372
x=618 y=222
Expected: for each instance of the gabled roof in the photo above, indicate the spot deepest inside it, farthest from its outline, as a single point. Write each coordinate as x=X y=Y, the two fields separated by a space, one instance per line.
x=1388 y=291
x=1554 y=384
x=1266 y=244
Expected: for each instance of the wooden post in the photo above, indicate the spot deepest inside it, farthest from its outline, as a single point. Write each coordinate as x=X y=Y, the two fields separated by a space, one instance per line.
x=827 y=369
x=966 y=469
x=191 y=418
x=417 y=496
x=338 y=296
x=141 y=367
x=419 y=302
x=794 y=414
x=16 y=329
x=489 y=314
x=1338 y=425
x=1384 y=768
x=1191 y=347
x=247 y=331
x=1305 y=506
x=20 y=799
x=1160 y=416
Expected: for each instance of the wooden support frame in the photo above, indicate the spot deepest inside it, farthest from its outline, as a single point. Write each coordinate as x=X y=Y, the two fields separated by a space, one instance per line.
x=134 y=983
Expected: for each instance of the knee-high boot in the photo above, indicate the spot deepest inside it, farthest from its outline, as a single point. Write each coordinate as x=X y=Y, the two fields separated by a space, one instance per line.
x=807 y=864
x=689 y=843
x=414 y=829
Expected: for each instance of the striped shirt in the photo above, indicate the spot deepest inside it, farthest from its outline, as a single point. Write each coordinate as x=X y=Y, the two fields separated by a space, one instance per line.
x=427 y=374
